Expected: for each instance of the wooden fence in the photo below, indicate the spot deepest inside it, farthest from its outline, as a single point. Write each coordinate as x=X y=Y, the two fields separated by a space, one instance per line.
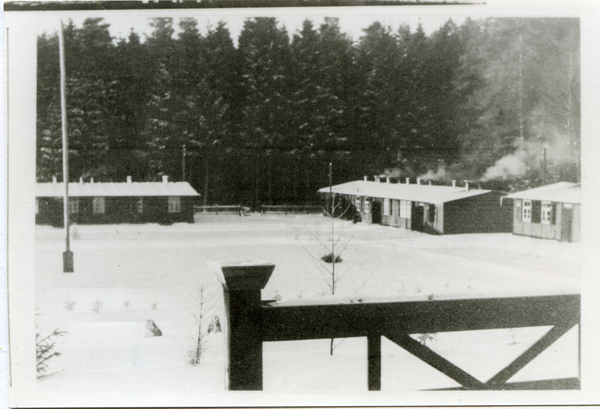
x=250 y=322
x=216 y=209
x=285 y=209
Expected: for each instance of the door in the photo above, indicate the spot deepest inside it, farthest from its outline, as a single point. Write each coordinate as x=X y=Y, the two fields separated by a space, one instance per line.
x=417 y=218
x=376 y=212
x=566 y=223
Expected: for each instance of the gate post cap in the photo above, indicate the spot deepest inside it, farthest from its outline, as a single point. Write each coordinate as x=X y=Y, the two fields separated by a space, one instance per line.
x=242 y=275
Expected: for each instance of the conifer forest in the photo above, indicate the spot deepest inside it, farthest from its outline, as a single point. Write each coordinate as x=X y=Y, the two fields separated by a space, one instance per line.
x=258 y=120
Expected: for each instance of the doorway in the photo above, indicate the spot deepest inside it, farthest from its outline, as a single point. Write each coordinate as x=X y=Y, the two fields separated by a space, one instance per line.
x=417 y=218
x=376 y=212
x=566 y=223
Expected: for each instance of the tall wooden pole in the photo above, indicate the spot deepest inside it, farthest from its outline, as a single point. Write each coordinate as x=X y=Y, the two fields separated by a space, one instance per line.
x=67 y=255
x=183 y=163
x=520 y=87
x=544 y=169
x=331 y=347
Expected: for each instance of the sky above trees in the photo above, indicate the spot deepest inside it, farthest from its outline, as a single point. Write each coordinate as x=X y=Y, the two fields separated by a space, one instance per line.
x=351 y=22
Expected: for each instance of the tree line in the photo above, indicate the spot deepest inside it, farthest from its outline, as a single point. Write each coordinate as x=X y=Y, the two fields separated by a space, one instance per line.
x=496 y=100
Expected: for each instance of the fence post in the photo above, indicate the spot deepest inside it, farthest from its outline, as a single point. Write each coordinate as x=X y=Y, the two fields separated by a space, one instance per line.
x=374 y=361
x=242 y=282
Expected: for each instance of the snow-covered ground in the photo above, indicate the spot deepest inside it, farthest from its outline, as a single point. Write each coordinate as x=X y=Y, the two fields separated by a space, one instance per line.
x=128 y=274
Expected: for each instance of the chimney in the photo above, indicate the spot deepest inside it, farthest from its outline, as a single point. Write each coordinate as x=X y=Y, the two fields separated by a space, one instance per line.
x=466 y=185
x=376 y=178
x=408 y=181
x=388 y=180
x=53 y=179
x=454 y=184
x=430 y=183
x=91 y=180
x=165 y=179
x=419 y=181
x=129 y=180
x=81 y=181
x=366 y=179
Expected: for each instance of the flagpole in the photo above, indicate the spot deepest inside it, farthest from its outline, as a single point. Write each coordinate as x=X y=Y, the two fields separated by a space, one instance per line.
x=67 y=255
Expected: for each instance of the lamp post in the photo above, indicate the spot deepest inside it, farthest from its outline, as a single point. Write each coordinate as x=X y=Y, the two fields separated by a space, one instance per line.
x=68 y=254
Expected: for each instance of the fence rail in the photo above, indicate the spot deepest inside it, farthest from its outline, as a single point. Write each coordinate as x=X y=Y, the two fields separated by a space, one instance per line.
x=216 y=209
x=285 y=209
x=250 y=322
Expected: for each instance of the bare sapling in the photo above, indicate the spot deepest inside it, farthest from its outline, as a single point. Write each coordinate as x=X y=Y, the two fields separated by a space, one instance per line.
x=337 y=242
x=201 y=305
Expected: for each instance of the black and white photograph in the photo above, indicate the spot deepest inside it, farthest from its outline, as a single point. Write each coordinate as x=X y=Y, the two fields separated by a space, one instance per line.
x=351 y=205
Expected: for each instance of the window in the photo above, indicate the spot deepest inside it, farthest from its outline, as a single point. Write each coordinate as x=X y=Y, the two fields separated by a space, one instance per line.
x=73 y=206
x=527 y=211
x=386 y=207
x=174 y=204
x=405 y=209
x=432 y=213
x=357 y=203
x=367 y=205
x=548 y=213
x=98 y=205
x=395 y=208
x=140 y=205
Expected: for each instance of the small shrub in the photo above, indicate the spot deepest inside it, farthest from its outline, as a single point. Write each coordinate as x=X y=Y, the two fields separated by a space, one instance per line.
x=423 y=338
x=45 y=350
x=97 y=305
x=153 y=305
x=127 y=303
x=69 y=305
x=328 y=258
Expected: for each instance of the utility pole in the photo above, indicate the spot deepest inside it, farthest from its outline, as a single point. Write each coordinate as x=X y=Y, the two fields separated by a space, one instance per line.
x=183 y=163
x=520 y=86
x=67 y=255
x=544 y=169
x=333 y=256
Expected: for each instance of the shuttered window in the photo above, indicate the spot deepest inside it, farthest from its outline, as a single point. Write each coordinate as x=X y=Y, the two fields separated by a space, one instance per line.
x=527 y=211
x=140 y=205
x=386 y=207
x=367 y=205
x=548 y=213
x=357 y=203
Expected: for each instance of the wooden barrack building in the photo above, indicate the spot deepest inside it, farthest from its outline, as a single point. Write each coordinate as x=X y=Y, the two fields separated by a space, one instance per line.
x=548 y=212
x=108 y=203
x=428 y=208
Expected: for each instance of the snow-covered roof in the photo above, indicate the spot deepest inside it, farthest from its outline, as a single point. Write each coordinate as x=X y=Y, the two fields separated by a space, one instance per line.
x=563 y=192
x=403 y=191
x=116 y=189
